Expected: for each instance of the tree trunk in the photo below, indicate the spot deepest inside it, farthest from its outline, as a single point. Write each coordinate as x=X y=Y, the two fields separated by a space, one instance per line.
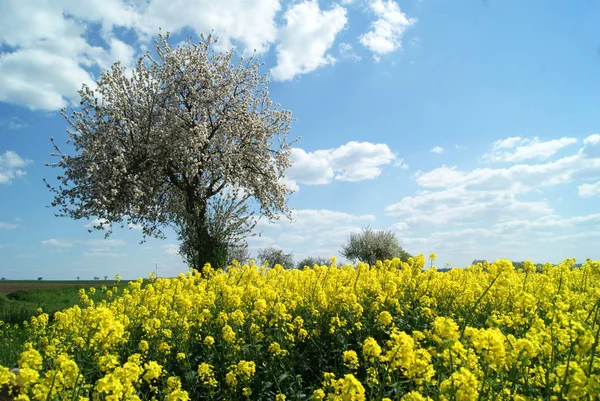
x=199 y=246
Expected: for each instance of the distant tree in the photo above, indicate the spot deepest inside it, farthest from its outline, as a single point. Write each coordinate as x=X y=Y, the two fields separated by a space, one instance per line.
x=238 y=252
x=189 y=140
x=3 y=278
x=310 y=261
x=77 y=278
x=518 y=265
x=40 y=278
x=370 y=245
x=105 y=277
x=275 y=256
x=477 y=261
x=96 y=278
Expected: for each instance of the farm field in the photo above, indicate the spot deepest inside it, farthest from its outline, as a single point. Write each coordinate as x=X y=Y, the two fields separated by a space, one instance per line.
x=20 y=299
x=8 y=286
x=388 y=332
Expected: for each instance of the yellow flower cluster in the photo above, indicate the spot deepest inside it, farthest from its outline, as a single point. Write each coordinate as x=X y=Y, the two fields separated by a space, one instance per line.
x=392 y=331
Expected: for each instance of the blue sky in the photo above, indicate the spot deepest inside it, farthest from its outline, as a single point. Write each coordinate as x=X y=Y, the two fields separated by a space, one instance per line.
x=469 y=128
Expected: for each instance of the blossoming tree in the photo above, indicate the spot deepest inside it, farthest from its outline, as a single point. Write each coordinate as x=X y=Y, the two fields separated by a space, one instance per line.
x=188 y=139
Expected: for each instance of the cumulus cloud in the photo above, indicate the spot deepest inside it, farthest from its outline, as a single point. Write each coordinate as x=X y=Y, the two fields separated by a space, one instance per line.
x=11 y=165
x=517 y=178
x=495 y=209
x=249 y=23
x=354 y=161
x=7 y=226
x=517 y=149
x=386 y=32
x=307 y=36
x=437 y=149
x=591 y=146
x=52 y=48
x=588 y=190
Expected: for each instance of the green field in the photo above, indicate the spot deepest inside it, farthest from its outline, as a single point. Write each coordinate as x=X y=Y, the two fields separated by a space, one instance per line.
x=19 y=300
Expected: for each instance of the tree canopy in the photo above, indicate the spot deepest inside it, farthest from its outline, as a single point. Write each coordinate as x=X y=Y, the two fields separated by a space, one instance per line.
x=186 y=139
x=370 y=245
x=275 y=256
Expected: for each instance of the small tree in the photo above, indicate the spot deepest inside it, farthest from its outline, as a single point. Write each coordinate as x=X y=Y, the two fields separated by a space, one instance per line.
x=188 y=140
x=105 y=277
x=77 y=278
x=275 y=256
x=40 y=278
x=369 y=246
x=310 y=261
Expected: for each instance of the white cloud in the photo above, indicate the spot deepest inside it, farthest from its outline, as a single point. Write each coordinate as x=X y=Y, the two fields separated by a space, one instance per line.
x=314 y=218
x=58 y=243
x=103 y=223
x=291 y=238
x=354 y=161
x=11 y=160
x=592 y=139
x=311 y=168
x=591 y=146
x=400 y=226
x=588 y=190
x=324 y=230
x=7 y=226
x=11 y=165
x=516 y=178
x=437 y=149
x=133 y=226
x=171 y=249
x=52 y=52
x=460 y=147
x=305 y=39
x=251 y=23
x=103 y=254
x=552 y=221
x=516 y=149
x=387 y=31
x=64 y=243
x=460 y=206
x=400 y=163
x=347 y=52
x=498 y=212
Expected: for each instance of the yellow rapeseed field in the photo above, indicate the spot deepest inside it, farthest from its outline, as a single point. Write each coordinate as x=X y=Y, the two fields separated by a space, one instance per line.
x=387 y=332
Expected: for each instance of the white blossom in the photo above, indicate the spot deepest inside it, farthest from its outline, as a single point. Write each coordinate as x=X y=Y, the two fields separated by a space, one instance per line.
x=187 y=139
